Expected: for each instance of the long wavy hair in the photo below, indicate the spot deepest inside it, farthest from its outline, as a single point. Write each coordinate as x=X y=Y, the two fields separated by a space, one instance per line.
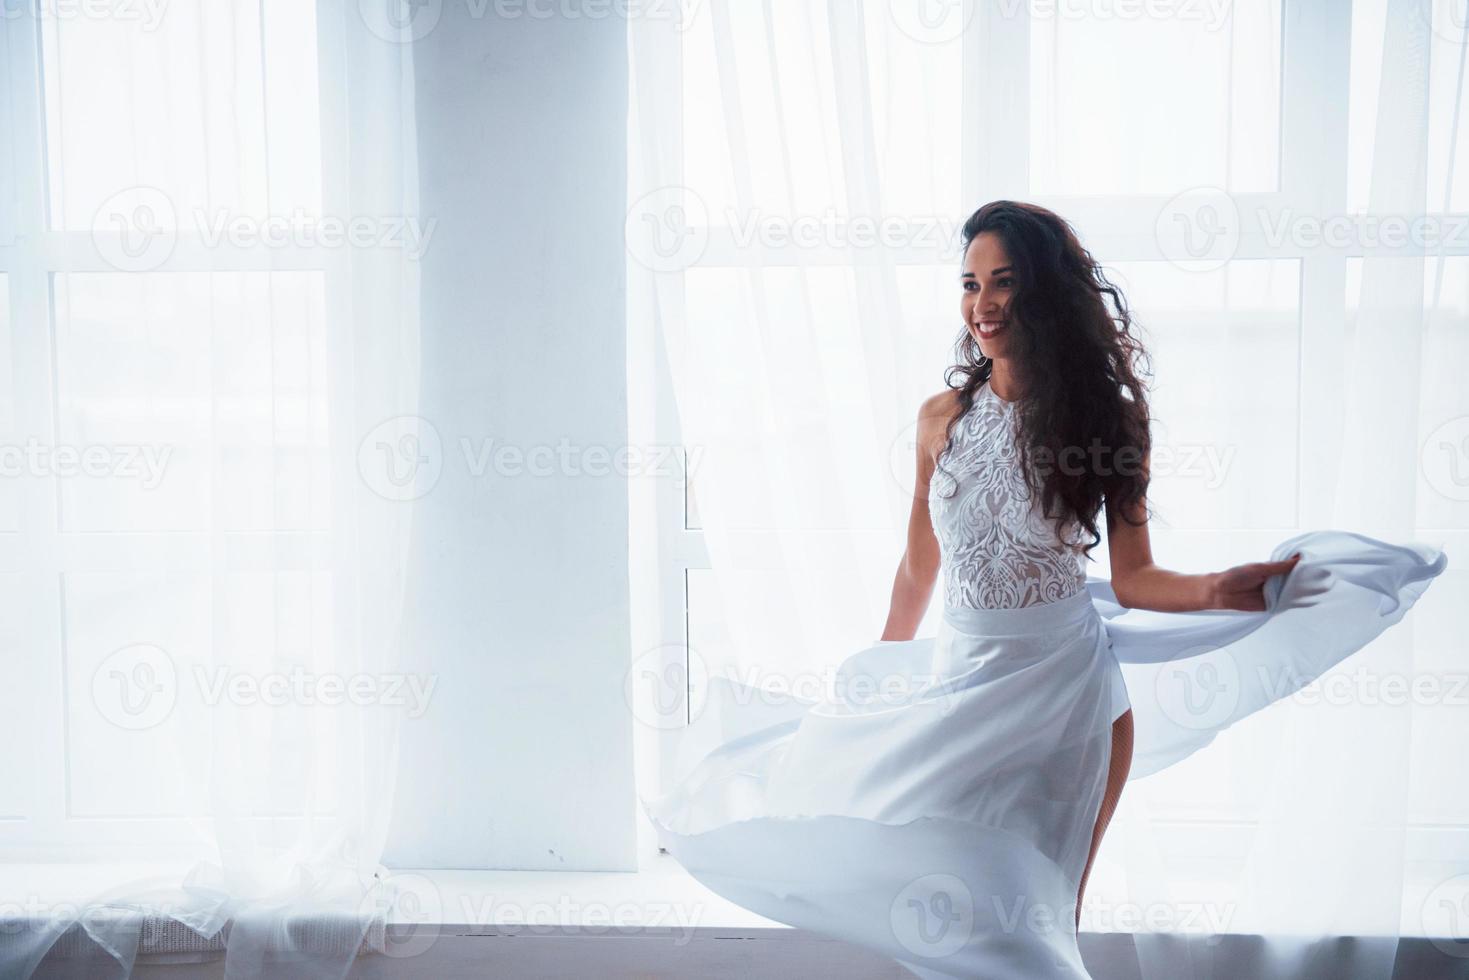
x=1078 y=363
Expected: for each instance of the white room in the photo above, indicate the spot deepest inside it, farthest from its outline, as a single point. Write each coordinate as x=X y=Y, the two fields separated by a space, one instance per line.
x=717 y=488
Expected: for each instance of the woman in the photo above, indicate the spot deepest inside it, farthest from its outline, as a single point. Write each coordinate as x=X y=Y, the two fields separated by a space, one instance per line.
x=951 y=820
x=1042 y=351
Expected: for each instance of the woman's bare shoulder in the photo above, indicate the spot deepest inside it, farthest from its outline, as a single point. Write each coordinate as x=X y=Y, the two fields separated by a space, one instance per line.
x=940 y=407
x=933 y=419
x=948 y=397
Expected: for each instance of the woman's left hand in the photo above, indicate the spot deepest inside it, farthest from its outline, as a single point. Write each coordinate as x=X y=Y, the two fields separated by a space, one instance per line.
x=1243 y=586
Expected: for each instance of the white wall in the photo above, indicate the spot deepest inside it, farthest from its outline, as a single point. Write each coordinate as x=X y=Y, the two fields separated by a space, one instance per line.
x=520 y=593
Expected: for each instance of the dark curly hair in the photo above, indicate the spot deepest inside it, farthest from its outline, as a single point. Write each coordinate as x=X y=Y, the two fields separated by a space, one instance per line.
x=1079 y=367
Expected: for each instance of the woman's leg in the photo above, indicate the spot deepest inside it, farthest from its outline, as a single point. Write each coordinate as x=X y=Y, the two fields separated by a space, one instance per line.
x=1116 y=777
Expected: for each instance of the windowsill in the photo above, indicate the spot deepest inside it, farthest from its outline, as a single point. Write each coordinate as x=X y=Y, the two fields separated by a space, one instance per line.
x=661 y=895
x=660 y=899
x=464 y=896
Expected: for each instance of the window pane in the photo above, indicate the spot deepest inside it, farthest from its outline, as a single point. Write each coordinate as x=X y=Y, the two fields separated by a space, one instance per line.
x=1106 y=87
x=1443 y=398
x=779 y=96
x=201 y=397
x=131 y=101
x=1447 y=154
x=125 y=722
x=150 y=656
x=816 y=364
x=1224 y=349
x=780 y=643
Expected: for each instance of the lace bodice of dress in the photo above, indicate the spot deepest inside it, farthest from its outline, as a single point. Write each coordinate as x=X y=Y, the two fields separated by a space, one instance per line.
x=998 y=550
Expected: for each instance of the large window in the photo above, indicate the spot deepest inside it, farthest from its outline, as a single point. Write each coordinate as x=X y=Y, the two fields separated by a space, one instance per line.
x=164 y=396
x=1200 y=156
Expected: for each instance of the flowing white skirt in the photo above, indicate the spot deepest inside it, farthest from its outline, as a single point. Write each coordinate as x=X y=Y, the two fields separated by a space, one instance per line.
x=937 y=804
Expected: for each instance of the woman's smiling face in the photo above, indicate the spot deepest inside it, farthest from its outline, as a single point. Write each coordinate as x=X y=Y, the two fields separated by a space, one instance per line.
x=987 y=281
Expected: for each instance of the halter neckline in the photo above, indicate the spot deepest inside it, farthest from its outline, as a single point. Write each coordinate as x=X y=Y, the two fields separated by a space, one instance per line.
x=995 y=395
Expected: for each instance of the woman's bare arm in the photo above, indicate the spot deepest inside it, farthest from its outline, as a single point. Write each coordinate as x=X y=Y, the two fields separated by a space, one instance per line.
x=919 y=568
x=1139 y=583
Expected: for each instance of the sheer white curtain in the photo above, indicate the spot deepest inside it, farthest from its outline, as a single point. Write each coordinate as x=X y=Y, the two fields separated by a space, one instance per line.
x=210 y=262
x=800 y=172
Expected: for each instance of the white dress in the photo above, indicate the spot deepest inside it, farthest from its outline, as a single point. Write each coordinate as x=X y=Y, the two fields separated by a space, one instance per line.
x=937 y=803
